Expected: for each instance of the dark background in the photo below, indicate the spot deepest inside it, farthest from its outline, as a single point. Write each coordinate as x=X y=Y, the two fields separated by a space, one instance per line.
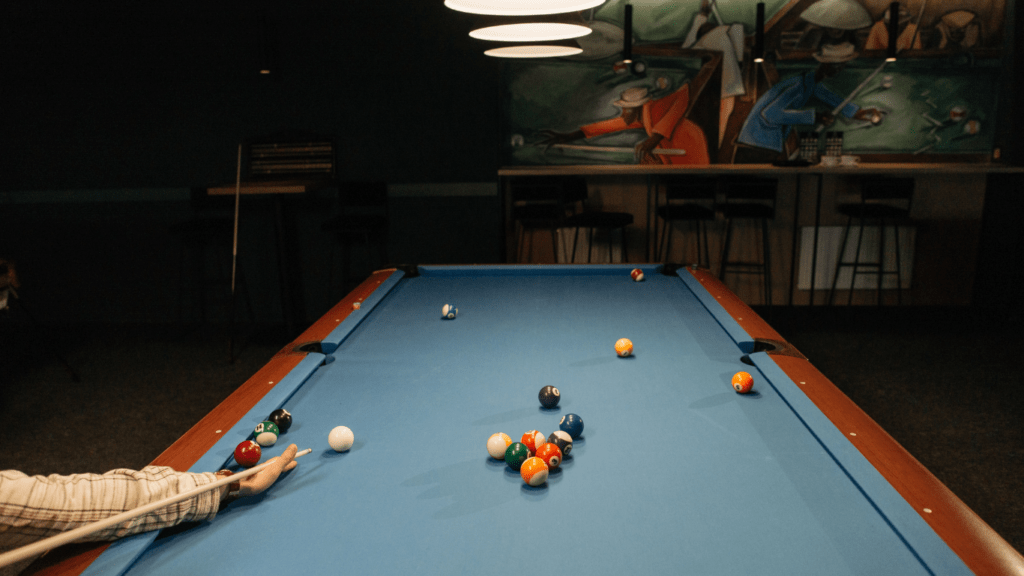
x=113 y=115
x=140 y=95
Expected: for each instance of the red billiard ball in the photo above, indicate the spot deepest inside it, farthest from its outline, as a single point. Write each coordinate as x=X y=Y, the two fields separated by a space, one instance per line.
x=550 y=454
x=742 y=382
x=248 y=453
x=637 y=275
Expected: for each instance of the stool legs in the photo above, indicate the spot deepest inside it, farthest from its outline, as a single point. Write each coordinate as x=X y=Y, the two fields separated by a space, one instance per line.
x=839 y=264
x=764 y=264
x=879 y=266
x=767 y=263
x=725 y=249
x=590 y=245
x=664 y=250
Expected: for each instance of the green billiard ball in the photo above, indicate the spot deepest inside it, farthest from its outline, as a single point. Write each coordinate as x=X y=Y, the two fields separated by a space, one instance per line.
x=516 y=454
x=266 y=433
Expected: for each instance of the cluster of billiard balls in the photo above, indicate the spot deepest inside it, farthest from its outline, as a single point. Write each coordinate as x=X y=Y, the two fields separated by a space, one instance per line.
x=249 y=452
x=534 y=456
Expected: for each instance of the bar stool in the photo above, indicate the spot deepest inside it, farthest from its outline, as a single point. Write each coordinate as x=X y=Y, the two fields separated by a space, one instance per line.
x=690 y=201
x=748 y=198
x=884 y=201
x=539 y=203
x=594 y=220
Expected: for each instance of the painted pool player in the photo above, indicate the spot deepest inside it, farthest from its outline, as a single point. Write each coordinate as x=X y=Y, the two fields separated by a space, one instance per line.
x=664 y=119
x=763 y=137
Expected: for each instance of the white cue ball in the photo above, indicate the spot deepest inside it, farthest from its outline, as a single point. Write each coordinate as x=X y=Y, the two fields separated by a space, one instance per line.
x=341 y=438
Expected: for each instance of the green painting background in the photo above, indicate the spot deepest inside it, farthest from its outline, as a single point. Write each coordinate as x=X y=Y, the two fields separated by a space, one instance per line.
x=919 y=87
x=562 y=96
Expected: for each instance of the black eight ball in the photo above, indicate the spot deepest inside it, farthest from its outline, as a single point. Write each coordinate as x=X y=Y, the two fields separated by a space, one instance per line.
x=282 y=418
x=549 y=396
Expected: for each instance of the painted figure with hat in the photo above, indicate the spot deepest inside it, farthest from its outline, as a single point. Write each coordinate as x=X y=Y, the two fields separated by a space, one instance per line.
x=785 y=105
x=958 y=30
x=663 y=119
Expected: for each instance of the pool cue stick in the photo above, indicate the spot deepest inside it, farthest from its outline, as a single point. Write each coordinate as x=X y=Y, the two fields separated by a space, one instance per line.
x=234 y=259
x=714 y=9
x=853 y=94
x=917 y=25
x=234 y=239
x=624 y=149
x=52 y=542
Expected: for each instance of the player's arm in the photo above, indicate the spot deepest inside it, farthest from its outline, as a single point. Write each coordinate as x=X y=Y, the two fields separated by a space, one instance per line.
x=832 y=99
x=41 y=506
x=551 y=137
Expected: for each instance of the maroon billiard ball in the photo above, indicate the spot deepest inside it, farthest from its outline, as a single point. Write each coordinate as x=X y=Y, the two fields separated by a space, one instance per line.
x=248 y=453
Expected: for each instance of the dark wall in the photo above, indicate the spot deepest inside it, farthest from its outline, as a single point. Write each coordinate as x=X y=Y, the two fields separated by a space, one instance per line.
x=143 y=95
x=117 y=261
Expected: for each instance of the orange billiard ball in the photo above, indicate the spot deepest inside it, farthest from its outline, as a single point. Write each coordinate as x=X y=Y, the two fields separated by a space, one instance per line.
x=534 y=471
x=623 y=347
x=743 y=382
x=533 y=440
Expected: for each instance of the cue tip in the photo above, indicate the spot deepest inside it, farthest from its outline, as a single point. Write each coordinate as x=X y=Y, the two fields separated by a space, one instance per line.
x=303 y=452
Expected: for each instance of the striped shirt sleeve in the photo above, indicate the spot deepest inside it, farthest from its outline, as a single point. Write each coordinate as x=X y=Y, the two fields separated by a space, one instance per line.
x=36 y=507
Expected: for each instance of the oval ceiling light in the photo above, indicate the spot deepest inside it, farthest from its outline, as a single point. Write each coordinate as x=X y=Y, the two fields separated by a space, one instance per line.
x=521 y=7
x=533 y=51
x=530 y=32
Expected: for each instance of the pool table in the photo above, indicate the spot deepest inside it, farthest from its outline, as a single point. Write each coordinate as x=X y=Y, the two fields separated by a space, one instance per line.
x=674 y=473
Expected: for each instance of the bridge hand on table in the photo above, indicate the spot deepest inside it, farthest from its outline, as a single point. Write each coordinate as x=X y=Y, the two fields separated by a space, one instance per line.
x=266 y=477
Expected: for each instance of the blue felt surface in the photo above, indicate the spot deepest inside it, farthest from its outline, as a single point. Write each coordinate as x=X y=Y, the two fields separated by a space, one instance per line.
x=675 y=472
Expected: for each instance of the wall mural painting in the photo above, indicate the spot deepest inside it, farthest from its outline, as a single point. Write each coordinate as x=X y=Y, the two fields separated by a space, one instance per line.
x=695 y=96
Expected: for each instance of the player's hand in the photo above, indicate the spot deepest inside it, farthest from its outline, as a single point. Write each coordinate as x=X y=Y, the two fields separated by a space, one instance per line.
x=642 y=150
x=873 y=115
x=266 y=477
x=824 y=118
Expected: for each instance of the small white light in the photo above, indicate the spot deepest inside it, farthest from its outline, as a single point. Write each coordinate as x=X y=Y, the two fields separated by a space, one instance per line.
x=521 y=7
x=533 y=51
x=530 y=32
